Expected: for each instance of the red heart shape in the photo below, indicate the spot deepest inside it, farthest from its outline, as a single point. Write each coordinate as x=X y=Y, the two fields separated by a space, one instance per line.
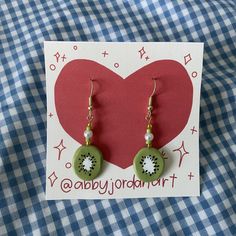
x=120 y=105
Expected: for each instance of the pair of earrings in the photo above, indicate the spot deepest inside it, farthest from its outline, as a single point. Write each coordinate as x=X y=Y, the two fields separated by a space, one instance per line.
x=148 y=163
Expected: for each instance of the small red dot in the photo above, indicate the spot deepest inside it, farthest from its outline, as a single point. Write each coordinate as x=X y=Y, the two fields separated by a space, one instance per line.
x=52 y=67
x=116 y=65
x=194 y=74
x=68 y=165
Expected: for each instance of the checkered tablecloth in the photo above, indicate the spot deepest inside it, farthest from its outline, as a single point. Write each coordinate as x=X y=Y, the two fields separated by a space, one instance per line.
x=24 y=26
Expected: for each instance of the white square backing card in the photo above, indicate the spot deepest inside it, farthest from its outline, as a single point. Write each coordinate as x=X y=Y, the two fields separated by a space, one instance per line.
x=181 y=174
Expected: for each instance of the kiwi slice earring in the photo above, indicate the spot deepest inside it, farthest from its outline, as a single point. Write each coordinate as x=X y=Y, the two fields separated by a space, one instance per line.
x=148 y=162
x=87 y=160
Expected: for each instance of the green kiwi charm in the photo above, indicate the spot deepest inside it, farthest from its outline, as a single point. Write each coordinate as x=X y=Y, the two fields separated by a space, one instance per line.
x=149 y=163
x=87 y=161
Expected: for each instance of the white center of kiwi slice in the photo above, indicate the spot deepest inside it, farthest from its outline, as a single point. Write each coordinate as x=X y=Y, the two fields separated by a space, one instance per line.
x=149 y=164
x=87 y=163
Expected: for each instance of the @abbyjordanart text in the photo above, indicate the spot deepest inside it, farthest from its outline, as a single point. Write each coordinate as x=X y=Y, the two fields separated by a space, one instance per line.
x=110 y=186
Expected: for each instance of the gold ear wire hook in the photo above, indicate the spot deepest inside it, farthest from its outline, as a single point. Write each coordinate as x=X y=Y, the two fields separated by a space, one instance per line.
x=150 y=98
x=91 y=93
x=150 y=107
x=155 y=86
x=90 y=101
x=91 y=87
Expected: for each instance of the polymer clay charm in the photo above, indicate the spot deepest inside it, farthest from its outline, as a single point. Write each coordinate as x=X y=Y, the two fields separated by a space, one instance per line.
x=87 y=162
x=148 y=163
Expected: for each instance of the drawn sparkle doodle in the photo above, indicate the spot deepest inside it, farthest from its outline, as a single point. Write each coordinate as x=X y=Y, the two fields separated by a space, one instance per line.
x=57 y=55
x=193 y=130
x=190 y=175
x=63 y=57
x=52 y=178
x=60 y=147
x=142 y=52
x=187 y=59
x=182 y=151
x=105 y=53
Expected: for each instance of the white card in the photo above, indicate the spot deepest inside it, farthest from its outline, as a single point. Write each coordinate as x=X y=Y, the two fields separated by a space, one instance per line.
x=122 y=74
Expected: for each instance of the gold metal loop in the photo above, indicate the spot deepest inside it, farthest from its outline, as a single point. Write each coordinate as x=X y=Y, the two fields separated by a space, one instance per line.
x=90 y=118
x=148 y=117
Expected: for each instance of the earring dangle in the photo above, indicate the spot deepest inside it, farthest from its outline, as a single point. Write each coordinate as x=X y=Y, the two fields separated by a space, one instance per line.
x=88 y=159
x=149 y=162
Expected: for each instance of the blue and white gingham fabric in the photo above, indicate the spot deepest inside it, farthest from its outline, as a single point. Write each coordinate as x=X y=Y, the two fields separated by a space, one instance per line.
x=24 y=26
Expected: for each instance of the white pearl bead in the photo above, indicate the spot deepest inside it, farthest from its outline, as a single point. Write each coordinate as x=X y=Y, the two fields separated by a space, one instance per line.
x=88 y=134
x=148 y=136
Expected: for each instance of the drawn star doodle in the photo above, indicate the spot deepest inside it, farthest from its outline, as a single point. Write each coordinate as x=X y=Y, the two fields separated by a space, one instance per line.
x=182 y=151
x=52 y=178
x=187 y=59
x=105 y=53
x=63 y=57
x=142 y=52
x=60 y=147
x=190 y=175
x=57 y=55
x=193 y=130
